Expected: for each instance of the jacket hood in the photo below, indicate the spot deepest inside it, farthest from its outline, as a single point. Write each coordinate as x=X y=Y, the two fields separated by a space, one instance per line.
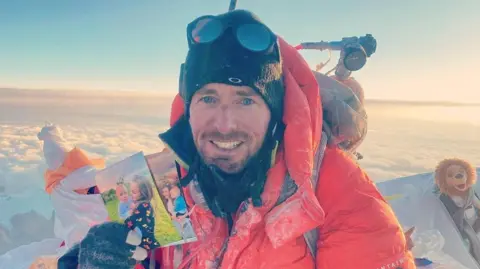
x=302 y=116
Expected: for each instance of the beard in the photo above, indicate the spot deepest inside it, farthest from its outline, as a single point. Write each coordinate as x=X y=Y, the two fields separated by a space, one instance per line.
x=226 y=162
x=225 y=191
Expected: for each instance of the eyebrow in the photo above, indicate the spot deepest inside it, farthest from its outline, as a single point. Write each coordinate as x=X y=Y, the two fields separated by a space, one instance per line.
x=207 y=91
x=246 y=93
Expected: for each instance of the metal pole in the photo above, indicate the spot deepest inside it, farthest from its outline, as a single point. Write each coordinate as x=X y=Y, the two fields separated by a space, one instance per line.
x=233 y=4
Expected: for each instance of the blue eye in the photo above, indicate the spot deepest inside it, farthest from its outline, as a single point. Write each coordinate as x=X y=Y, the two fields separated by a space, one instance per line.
x=247 y=101
x=208 y=99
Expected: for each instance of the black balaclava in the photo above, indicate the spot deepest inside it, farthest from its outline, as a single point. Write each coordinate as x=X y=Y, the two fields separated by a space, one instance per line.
x=226 y=61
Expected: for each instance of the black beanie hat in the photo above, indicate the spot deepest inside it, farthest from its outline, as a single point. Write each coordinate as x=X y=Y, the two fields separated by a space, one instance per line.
x=226 y=61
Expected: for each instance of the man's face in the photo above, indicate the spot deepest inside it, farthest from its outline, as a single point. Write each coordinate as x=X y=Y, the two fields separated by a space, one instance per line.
x=228 y=124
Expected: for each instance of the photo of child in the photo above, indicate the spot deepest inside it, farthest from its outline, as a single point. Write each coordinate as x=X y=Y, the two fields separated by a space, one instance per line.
x=131 y=197
x=142 y=214
x=125 y=201
x=165 y=174
x=181 y=214
x=179 y=204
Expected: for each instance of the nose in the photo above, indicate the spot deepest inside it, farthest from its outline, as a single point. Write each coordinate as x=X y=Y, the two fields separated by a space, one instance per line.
x=459 y=176
x=225 y=120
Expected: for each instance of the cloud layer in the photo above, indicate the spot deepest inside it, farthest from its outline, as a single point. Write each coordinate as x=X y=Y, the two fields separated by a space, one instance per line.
x=403 y=138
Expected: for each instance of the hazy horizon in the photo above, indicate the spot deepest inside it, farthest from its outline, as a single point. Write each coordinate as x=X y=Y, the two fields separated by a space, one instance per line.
x=9 y=92
x=107 y=123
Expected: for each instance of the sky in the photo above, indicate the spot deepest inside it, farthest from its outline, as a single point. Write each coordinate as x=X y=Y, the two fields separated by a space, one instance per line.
x=427 y=50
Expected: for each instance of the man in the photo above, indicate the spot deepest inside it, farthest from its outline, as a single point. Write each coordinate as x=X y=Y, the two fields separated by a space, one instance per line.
x=239 y=92
x=246 y=129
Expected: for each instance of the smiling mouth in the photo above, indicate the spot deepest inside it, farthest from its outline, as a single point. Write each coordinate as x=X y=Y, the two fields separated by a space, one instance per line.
x=226 y=145
x=461 y=187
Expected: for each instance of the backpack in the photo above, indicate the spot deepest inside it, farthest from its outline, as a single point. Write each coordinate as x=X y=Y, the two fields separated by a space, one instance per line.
x=344 y=116
x=344 y=125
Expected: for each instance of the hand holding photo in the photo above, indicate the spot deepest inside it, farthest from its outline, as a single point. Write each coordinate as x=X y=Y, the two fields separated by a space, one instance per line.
x=131 y=197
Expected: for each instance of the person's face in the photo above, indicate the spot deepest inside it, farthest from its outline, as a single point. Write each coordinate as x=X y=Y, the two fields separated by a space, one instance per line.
x=166 y=193
x=172 y=178
x=122 y=194
x=135 y=191
x=228 y=124
x=175 y=192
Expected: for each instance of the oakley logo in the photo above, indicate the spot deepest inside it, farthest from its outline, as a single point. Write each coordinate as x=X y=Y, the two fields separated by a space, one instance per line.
x=235 y=80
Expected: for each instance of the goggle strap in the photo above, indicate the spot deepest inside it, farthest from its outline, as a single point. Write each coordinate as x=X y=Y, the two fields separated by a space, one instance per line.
x=182 y=87
x=181 y=79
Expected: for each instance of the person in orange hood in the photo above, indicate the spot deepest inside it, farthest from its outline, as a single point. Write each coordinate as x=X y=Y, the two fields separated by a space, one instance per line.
x=247 y=134
x=250 y=120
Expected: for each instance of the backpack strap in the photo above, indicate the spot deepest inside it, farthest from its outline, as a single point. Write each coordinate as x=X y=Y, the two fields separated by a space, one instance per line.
x=311 y=237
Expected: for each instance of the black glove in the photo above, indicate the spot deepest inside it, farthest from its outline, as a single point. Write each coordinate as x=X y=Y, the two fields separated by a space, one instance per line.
x=104 y=247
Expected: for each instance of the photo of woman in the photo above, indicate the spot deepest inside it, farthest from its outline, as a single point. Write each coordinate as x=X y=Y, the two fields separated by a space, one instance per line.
x=179 y=212
x=167 y=199
x=168 y=202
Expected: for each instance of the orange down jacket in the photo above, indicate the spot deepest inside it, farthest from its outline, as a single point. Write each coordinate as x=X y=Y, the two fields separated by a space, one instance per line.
x=357 y=228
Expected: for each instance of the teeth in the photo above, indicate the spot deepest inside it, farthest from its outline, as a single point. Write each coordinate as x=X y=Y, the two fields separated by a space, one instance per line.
x=227 y=145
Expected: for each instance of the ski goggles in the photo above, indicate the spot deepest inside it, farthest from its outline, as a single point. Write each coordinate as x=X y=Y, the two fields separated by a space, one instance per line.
x=253 y=36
